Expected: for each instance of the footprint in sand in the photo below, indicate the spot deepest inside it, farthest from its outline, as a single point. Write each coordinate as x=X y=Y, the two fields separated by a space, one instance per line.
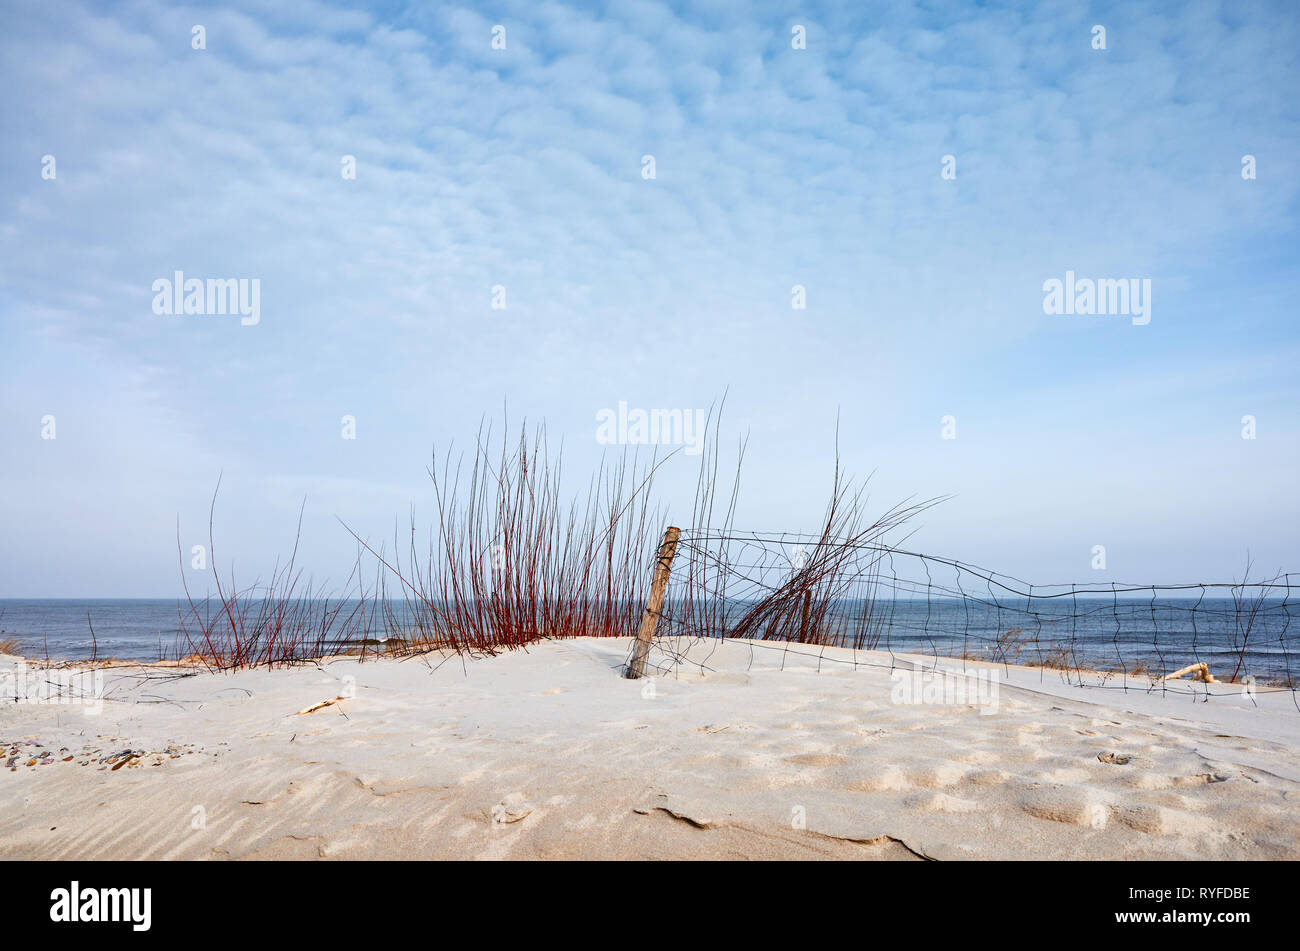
x=1204 y=779
x=816 y=759
x=888 y=779
x=1072 y=806
x=941 y=802
x=932 y=777
x=1159 y=820
x=1064 y=774
x=990 y=777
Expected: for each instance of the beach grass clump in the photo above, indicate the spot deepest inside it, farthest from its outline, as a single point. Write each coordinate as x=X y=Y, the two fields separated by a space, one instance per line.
x=511 y=559
x=282 y=620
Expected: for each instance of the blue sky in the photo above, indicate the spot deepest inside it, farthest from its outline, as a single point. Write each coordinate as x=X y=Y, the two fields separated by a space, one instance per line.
x=774 y=167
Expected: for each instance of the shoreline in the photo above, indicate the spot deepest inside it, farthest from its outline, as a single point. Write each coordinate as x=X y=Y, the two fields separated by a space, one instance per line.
x=1089 y=675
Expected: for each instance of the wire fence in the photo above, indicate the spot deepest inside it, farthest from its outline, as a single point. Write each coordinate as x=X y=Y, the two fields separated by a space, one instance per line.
x=867 y=596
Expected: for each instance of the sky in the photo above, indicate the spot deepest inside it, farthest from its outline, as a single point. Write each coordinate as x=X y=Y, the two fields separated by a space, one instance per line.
x=919 y=171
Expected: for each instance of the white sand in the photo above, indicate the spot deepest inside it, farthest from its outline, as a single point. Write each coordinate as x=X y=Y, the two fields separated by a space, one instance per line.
x=549 y=753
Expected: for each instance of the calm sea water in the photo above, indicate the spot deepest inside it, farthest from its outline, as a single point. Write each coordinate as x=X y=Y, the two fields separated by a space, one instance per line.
x=1111 y=634
x=130 y=628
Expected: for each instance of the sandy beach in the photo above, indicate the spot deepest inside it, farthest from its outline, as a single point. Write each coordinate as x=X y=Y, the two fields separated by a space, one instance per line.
x=746 y=751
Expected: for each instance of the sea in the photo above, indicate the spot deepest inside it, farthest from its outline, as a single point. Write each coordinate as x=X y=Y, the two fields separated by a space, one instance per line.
x=1106 y=633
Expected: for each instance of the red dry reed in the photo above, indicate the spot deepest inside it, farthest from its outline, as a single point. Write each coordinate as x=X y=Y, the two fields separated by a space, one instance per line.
x=281 y=621
x=510 y=560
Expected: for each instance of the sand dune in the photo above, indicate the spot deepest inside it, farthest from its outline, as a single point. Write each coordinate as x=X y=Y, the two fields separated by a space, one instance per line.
x=743 y=752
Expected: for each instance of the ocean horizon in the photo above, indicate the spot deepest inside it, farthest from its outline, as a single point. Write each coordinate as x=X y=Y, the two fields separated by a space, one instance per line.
x=1091 y=631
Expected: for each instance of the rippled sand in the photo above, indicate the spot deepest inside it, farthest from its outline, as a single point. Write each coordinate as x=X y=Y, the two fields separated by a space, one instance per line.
x=743 y=751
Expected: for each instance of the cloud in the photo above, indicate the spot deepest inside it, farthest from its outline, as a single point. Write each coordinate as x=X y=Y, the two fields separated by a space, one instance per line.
x=522 y=168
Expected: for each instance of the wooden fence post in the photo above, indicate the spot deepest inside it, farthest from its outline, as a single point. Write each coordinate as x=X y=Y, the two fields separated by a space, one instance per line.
x=641 y=649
